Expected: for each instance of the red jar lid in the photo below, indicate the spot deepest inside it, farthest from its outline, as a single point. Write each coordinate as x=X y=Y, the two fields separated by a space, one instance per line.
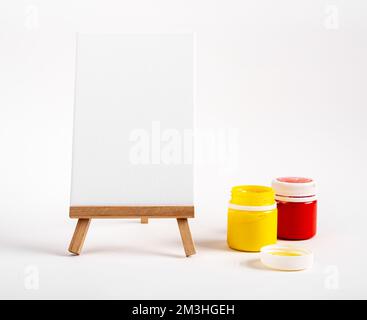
x=297 y=187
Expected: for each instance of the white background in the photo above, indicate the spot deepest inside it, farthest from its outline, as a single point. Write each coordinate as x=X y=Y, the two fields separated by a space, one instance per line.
x=289 y=75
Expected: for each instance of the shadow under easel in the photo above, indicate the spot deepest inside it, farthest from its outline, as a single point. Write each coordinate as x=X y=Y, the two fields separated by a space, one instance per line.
x=217 y=245
x=26 y=247
x=128 y=251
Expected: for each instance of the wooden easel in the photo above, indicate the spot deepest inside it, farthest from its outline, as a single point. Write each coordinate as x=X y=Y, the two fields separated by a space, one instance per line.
x=85 y=214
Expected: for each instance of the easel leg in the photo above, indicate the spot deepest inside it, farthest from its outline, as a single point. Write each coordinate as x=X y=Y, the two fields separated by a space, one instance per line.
x=187 y=242
x=144 y=220
x=80 y=233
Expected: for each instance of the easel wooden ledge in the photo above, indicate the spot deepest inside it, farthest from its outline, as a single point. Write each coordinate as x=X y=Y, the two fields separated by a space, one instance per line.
x=85 y=214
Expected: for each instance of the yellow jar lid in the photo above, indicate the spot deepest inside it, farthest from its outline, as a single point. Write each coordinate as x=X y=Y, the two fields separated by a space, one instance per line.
x=252 y=195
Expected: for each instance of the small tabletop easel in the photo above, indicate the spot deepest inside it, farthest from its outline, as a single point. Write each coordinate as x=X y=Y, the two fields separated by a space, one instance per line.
x=85 y=214
x=133 y=131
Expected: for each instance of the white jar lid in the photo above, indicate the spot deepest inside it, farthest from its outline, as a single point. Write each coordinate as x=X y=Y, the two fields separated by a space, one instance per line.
x=286 y=258
x=294 y=187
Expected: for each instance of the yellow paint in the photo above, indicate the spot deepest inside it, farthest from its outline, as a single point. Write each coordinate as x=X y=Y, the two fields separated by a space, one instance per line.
x=253 y=196
x=285 y=254
x=251 y=230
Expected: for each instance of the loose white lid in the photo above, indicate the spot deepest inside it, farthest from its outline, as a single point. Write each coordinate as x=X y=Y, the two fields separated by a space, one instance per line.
x=294 y=187
x=286 y=258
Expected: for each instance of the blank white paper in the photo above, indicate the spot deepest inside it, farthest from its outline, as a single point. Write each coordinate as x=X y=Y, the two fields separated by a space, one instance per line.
x=133 y=119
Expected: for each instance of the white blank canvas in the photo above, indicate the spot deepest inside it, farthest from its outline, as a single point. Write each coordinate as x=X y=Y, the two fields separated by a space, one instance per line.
x=133 y=91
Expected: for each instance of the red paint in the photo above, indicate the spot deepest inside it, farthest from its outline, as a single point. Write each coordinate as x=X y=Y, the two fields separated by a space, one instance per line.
x=297 y=220
x=294 y=179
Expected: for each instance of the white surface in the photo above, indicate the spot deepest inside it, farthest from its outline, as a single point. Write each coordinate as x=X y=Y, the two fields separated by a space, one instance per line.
x=292 y=84
x=134 y=99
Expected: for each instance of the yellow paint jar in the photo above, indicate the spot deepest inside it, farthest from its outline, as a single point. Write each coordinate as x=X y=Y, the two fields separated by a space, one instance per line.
x=252 y=218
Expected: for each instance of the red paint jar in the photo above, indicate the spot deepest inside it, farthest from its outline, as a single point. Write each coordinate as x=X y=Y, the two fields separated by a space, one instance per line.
x=297 y=207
